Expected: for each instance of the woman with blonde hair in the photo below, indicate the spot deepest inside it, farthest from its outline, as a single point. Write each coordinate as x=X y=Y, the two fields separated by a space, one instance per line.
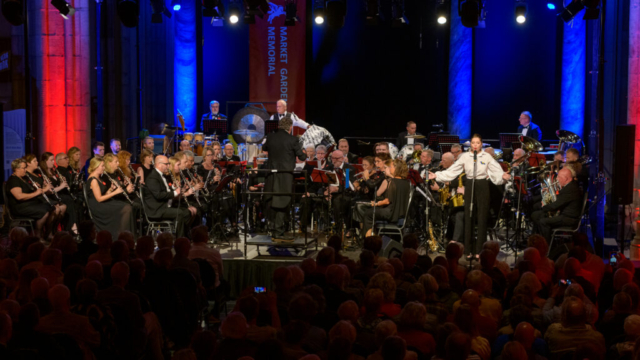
x=108 y=213
x=175 y=179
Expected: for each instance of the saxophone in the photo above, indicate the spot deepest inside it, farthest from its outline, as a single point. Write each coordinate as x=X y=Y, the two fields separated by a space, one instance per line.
x=433 y=244
x=458 y=199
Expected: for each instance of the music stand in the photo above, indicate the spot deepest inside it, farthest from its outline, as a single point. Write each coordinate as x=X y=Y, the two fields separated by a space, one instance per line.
x=447 y=139
x=510 y=140
x=219 y=127
x=433 y=139
x=270 y=126
x=323 y=177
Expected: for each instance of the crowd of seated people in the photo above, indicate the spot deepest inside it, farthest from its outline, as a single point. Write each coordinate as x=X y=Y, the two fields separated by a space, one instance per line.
x=145 y=298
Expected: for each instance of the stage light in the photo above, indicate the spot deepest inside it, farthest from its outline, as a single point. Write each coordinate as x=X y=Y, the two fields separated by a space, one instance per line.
x=574 y=7
x=66 y=10
x=551 y=6
x=471 y=13
x=128 y=11
x=159 y=8
x=213 y=8
x=175 y=5
x=442 y=12
x=521 y=12
x=233 y=18
x=257 y=7
x=12 y=11
x=336 y=10
x=235 y=13
x=290 y=9
x=373 y=12
x=318 y=12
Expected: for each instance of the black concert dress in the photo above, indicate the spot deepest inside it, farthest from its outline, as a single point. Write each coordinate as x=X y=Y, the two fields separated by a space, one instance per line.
x=112 y=215
x=71 y=214
x=34 y=208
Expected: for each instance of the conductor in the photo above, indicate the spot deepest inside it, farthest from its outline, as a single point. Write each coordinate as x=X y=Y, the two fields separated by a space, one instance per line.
x=283 y=150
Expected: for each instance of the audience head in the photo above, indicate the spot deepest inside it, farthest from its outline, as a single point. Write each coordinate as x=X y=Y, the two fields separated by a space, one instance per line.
x=234 y=326
x=40 y=288
x=384 y=282
x=622 y=303
x=343 y=329
x=429 y=283
x=200 y=234
x=632 y=326
x=532 y=254
x=373 y=243
x=367 y=259
x=416 y=293
x=87 y=291
x=413 y=315
x=524 y=333
x=297 y=275
x=59 y=296
x=249 y=307
x=163 y=258
x=52 y=257
x=203 y=343
x=538 y=241
x=409 y=258
x=302 y=307
x=128 y=238
x=386 y=268
x=532 y=280
x=385 y=329
x=621 y=277
x=349 y=311
x=458 y=346
x=182 y=247
x=325 y=257
x=120 y=274
x=634 y=291
x=94 y=271
x=373 y=300
x=144 y=247
x=308 y=266
x=454 y=251
x=282 y=279
x=119 y=251
x=573 y=312
x=487 y=259
x=441 y=275
x=165 y=240
x=476 y=281
x=11 y=308
x=513 y=350
x=411 y=241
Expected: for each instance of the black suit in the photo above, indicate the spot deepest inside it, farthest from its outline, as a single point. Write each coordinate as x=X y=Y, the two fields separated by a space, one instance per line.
x=232 y=158
x=352 y=158
x=569 y=202
x=283 y=150
x=341 y=200
x=156 y=198
x=534 y=131
x=402 y=140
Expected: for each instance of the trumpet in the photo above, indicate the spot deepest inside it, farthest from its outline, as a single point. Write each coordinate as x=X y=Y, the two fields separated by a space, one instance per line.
x=64 y=180
x=124 y=191
x=35 y=185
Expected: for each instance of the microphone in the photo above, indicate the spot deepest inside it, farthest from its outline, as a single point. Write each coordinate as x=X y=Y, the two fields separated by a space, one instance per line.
x=475 y=155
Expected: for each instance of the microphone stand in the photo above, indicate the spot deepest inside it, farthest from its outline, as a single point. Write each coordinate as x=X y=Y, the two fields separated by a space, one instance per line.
x=473 y=188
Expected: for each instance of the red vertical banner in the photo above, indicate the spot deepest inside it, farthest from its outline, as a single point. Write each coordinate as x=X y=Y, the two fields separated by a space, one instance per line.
x=277 y=58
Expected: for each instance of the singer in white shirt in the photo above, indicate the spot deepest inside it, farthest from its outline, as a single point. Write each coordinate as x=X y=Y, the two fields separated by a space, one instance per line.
x=486 y=169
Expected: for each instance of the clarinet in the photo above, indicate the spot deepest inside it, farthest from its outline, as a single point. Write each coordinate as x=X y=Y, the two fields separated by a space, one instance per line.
x=53 y=189
x=124 y=191
x=35 y=185
x=176 y=185
x=64 y=180
x=195 y=194
x=135 y=174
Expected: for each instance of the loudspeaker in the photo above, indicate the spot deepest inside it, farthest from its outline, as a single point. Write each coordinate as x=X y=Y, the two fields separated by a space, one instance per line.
x=623 y=164
x=390 y=248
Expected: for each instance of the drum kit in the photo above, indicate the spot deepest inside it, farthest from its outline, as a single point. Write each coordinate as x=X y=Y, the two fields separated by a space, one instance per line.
x=407 y=151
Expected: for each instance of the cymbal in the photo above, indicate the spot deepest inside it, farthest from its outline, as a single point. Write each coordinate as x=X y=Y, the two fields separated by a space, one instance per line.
x=568 y=137
x=246 y=132
x=415 y=136
x=530 y=144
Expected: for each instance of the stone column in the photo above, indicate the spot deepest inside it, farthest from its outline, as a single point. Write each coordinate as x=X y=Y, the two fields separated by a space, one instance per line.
x=633 y=109
x=59 y=54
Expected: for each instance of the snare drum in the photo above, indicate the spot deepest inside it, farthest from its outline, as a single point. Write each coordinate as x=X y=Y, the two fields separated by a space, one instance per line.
x=188 y=136
x=199 y=137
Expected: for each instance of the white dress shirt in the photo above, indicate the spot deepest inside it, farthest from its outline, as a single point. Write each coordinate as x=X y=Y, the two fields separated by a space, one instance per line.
x=167 y=186
x=525 y=129
x=297 y=122
x=487 y=167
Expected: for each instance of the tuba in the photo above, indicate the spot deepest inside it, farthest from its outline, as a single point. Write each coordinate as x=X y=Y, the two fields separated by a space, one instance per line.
x=416 y=156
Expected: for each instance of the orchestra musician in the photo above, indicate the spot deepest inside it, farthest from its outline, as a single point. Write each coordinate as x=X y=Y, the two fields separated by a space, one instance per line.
x=108 y=212
x=35 y=176
x=456 y=214
x=487 y=169
x=311 y=152
x=146 y=165
x=343 y=145
x=175 y=177
x=573 y=162
x=394 y=191
x=149 y=145
x=111 y=174
x=158 y=197
x=115 y=146
x=98 y=151
x=229 y=154
x=61 y=187
x=64 y=169
x=527 y=128
x=281 y=108
x=426 y=157
x=185 y=145
x=283 y=149
x=382 y=148
x=456 y=151
x=213 y=114
x=568 y=206
x=402 y=137
x=340 y=197
x=369 y=182
x=25 y=200
x=205 y=169
x=124 y=163
x=217 y=151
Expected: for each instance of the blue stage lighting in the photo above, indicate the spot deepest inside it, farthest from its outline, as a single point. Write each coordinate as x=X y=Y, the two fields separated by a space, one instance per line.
x=551 y=6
